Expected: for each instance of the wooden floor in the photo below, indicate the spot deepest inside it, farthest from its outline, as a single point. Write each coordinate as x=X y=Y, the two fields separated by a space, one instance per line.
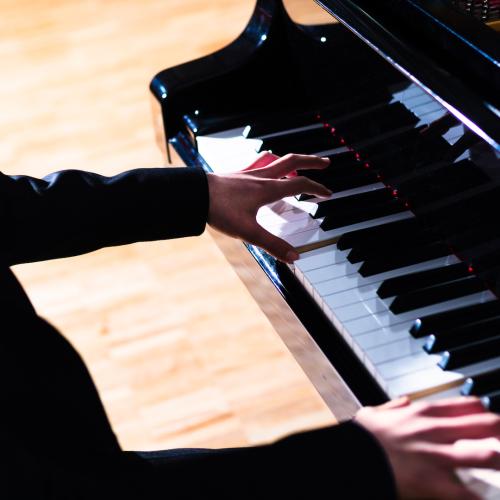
x=181 y=354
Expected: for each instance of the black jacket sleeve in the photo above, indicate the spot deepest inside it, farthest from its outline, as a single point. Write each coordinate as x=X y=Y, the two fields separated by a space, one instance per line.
x=72 y=212
x=342 y=461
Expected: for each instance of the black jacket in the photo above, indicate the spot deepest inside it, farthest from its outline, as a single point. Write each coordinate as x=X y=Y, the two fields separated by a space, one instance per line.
x=52 y=425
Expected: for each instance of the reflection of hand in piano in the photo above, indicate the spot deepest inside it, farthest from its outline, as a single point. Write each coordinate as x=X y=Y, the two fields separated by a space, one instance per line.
x=267 y=180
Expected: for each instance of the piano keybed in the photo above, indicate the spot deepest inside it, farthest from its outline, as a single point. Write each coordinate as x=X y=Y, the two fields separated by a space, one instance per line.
x=370 y=257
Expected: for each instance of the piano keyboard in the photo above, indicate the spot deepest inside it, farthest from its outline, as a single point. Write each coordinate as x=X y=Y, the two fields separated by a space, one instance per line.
x=348 y=287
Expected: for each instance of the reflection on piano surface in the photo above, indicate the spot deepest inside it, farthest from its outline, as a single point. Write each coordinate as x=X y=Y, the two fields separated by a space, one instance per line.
x=397 y=285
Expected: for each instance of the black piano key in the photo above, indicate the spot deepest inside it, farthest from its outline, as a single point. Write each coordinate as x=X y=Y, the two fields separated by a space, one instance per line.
x=422 y=279
x=440 y=126
x=458 y=209
x=453 y=318
x=410 y=159
x=338 y=181
x=465 y=142
x=492 y=277
x=263 y=124
x=302 y=142
x=356 y=179
x=435 y=294
x=393 y=243
x=487 y=260
x=337 y=220
x=376 y=233
x=492 y=401
x=463 y=335
x=470 y=354
x=344 y=184
x=444 y=181
x=420 y=254
x=482 y=230
x=482 y=384
x=354 y=202
x=345 y=107
x=376 y=122
x=391 y=146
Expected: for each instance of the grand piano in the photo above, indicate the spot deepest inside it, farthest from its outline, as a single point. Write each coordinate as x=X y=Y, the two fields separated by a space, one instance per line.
x=396 y=291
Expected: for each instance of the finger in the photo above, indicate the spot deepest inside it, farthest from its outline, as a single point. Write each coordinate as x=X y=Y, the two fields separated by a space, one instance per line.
x=475 y=454
x=453 y=407
x=264 y=159
x=295 y=186
x=395 y=403
x=272 y=244
x=290 y=163
x=475 y=426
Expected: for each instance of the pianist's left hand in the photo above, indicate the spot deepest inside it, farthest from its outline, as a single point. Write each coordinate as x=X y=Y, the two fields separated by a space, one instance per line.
x=235 y=198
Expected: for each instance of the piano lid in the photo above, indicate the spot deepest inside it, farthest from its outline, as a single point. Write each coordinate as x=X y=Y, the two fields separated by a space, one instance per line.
x=442 y=46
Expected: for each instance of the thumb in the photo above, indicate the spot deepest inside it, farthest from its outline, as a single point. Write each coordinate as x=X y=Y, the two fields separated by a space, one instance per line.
x=275 y=246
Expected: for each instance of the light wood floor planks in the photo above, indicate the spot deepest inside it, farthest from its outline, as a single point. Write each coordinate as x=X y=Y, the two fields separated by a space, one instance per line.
x=181 y=354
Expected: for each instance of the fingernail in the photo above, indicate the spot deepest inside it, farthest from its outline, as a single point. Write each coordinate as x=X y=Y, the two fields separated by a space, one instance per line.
x=325 y=158
x=292 y=256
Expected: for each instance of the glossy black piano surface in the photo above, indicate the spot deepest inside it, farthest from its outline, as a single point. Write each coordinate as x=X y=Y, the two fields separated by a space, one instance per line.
x=407 y=112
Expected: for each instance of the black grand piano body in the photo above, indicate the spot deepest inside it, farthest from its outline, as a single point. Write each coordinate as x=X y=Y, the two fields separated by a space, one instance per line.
x=276 y=62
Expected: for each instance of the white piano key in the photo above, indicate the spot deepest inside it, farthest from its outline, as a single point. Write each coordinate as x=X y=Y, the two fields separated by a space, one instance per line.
x=408 y=92
x=369 y=307
x=321 y=257
x=423 y=380
x=268 y=218
x=352 y=296
x=317 y=235
x=312 y=204
x=344 y=268
x=353 y=281
x=299 y=225
x=382 y=336
x=434 y=377
x=430 y=117
x=407 y=364
x=417 y=100
x=228 y=154
x=385 y=319
x=407 y=346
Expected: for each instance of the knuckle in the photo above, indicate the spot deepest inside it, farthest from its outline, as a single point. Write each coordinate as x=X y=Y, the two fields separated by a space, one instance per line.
x=422 y=407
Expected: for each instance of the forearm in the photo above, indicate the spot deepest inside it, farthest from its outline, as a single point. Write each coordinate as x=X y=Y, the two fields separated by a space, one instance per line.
x=342 y=461
x=72 y=212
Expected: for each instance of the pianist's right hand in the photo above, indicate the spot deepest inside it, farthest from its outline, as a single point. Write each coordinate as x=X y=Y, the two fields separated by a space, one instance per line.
x=235 y=198
x=419 y=441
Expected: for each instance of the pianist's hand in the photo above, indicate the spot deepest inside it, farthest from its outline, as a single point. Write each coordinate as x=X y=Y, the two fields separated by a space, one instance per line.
x=419 y=441
x=236 y=197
